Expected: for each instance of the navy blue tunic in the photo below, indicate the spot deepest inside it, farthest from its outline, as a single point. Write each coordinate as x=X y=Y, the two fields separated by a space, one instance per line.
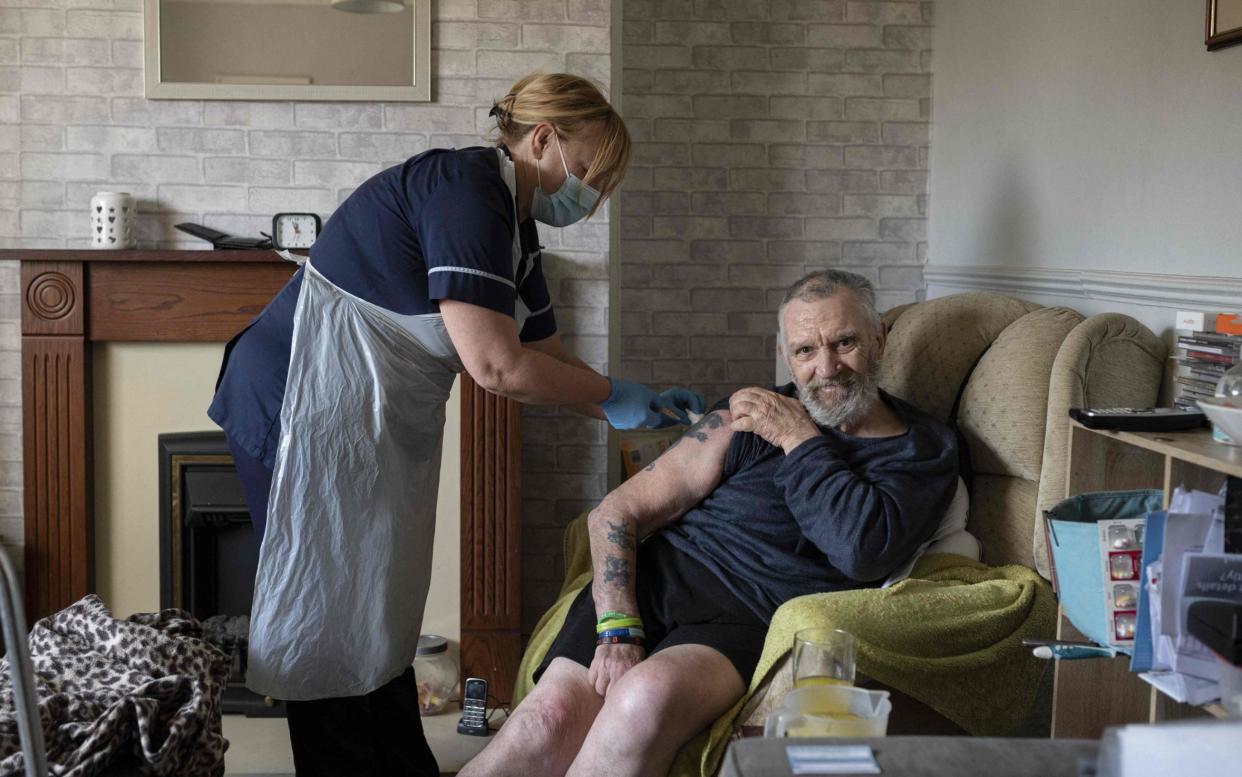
x=439 y=226
x=838 y=512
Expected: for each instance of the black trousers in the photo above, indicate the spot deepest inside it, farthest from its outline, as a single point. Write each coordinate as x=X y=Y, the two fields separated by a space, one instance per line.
x=362 y=736
x=376 y=735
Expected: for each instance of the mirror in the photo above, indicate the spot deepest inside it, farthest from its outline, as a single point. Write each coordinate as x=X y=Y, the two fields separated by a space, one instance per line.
x=288 y=49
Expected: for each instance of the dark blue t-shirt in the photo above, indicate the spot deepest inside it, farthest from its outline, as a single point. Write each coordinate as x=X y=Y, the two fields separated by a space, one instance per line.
x=839 y=512
x=439 y=226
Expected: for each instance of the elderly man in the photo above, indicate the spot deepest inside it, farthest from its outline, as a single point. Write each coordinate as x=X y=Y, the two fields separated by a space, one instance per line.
x=825 y=484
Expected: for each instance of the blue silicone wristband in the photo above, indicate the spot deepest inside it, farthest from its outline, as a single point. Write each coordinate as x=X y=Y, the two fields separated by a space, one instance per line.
x=621 y=633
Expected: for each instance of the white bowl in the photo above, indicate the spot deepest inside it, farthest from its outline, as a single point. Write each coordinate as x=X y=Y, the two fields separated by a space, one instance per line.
x=1226 y=413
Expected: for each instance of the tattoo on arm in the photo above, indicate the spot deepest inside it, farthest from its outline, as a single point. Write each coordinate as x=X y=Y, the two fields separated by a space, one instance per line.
x=709 y=421
x=620 y=535
x=616 y=570
x=697 y=432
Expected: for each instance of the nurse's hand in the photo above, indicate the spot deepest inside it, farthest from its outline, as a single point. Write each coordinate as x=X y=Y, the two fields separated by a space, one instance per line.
x=632 y=405
x=683 y=401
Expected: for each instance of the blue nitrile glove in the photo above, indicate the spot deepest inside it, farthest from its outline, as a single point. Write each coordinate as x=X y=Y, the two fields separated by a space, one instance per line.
x=679 y=400
x=632 y=405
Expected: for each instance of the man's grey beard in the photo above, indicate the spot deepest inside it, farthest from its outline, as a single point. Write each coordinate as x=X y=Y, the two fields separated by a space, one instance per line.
x=856 y=391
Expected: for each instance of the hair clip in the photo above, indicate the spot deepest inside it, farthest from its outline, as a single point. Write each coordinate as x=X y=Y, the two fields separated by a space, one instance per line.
x=495 y=111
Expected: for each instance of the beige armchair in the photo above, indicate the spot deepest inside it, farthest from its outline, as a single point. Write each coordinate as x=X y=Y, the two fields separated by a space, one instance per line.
x=1006 y=371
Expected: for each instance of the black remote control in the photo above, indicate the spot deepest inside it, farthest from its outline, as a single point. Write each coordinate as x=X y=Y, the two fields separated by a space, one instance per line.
x=201 y=232
x=222 y=240
x=1138 y=419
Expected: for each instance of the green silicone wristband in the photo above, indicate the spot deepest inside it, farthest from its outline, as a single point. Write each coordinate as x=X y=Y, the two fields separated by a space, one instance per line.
x=612 y=615
x=619 y=623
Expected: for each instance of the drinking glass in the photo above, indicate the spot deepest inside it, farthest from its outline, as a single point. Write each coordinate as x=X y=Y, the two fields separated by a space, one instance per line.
x=823 y=656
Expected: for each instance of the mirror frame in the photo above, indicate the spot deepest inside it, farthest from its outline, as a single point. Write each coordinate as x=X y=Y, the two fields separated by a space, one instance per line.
x=1215 y=38
x=419 y=91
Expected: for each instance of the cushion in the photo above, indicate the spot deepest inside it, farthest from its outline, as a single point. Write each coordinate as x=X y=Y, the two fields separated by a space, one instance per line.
x=933 y=345
x=1004 y=404
x=1109 y=360
x=1002 y=516
x=950 y=537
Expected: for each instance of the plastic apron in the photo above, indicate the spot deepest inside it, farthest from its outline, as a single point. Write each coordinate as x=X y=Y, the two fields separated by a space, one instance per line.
x=346 y=560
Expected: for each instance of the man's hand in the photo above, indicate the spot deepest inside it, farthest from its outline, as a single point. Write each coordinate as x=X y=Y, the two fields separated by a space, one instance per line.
x=780 y=420
x=611 y=662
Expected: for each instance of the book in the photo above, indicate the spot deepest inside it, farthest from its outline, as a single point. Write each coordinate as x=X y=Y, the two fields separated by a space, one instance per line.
x=1200 y=366
x=1207 y=386
x=1194 y=320
x=1204 y=344
x=1228 y=340
x=1210 y=377
x=1198 y=321
x=1215 y=358
x=1229 y=323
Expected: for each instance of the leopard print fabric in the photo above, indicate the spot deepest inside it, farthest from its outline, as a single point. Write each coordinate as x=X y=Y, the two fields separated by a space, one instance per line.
x=145 y=690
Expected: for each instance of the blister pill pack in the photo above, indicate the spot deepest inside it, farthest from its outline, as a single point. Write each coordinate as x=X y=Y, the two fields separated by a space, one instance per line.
x=1121 y=551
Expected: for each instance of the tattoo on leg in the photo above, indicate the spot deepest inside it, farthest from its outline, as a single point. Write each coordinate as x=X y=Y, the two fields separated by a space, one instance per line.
x=616 y=570
x=619 y=535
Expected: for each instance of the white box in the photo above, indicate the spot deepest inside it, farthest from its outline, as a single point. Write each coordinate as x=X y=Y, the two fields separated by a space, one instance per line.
x=1196 y=321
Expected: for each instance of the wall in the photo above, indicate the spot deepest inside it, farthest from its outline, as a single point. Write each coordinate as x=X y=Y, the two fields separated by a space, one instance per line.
x=776 y=138
x=75 y=121
x=1086 y=157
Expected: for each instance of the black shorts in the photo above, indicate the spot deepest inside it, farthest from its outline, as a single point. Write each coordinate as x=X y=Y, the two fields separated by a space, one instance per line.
x=681 y=602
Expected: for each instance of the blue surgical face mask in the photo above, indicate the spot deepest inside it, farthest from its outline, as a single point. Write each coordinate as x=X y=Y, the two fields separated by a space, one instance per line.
x=569 y=204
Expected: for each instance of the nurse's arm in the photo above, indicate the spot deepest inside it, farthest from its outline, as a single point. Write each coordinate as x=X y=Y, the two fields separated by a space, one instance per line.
x=654 y=498
x=487 y=342
x=554 y=347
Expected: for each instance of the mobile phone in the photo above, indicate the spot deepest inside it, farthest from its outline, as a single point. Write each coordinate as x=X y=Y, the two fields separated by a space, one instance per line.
x=473 y=709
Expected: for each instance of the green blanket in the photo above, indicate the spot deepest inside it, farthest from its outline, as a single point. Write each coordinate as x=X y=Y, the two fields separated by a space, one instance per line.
x=950 y=636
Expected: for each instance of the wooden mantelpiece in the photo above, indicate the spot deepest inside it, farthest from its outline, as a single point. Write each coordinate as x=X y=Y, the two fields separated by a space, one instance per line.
x=71 y=299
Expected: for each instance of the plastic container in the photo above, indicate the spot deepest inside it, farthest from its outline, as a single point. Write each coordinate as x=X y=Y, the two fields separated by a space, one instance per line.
x=436 y=673
x=1074 y=544
x=831 y=711
x=1226 y=411
x=1226 y=416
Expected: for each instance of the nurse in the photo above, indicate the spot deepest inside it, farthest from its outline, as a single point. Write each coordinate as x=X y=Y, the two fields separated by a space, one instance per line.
x=333 y=404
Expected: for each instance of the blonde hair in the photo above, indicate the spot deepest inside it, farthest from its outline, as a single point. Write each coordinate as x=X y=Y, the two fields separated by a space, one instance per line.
x=568 y=103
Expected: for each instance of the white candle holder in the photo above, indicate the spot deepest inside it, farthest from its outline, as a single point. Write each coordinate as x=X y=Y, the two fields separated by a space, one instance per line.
x=112 y=220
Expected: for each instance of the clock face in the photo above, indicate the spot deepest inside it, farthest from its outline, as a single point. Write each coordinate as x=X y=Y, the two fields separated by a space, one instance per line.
x=296 y=230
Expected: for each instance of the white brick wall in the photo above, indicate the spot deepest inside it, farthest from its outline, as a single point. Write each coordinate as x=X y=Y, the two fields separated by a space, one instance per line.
x=775 y=137
x=73 y=121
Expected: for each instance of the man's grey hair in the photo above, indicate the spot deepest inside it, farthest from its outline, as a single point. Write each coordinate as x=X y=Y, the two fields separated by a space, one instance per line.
x=822 y=284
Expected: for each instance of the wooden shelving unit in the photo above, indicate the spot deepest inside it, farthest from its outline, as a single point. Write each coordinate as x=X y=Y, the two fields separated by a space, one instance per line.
x=1090 y=695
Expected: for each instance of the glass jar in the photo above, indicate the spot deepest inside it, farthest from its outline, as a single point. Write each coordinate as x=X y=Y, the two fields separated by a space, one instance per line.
x=436 y=674
x=1229 y=387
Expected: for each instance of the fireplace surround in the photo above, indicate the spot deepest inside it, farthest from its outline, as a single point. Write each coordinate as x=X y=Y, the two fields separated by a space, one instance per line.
x=72 y=299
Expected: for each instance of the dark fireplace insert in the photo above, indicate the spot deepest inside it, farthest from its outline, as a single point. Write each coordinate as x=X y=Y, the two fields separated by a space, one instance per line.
x=209 y=552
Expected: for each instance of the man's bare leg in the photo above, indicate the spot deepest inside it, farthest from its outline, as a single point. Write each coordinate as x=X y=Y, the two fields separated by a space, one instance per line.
x=546 y=729
x=654 y=709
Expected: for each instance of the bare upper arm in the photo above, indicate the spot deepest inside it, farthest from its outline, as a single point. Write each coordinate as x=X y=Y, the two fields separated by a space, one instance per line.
x=485 y=339
x=686 y=473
